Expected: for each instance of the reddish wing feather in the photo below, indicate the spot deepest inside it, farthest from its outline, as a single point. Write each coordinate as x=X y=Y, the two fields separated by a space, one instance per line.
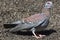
x=35 y=17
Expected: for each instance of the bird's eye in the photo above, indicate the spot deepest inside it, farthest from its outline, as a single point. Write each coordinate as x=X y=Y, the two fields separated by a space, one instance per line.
x=48 y=3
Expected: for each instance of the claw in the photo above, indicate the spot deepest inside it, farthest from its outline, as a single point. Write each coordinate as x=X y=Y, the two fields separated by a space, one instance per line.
x=40 y=36
x=37 y=37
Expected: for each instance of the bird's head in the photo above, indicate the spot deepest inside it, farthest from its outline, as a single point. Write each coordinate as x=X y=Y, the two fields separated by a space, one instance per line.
x=48 y=4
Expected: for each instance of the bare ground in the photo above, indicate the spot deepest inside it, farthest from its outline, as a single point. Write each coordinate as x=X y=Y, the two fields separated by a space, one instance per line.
x=13 y=10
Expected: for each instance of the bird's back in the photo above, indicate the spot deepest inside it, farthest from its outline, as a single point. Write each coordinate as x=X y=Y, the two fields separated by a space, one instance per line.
x=36 y=17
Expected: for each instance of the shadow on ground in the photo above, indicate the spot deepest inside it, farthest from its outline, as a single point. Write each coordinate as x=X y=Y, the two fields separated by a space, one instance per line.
x=45 y=32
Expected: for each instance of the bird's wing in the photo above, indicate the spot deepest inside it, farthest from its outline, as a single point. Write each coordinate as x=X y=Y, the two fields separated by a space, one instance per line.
x=30 y=22
x=17 y=22
x=37 y=19
x=22 y=27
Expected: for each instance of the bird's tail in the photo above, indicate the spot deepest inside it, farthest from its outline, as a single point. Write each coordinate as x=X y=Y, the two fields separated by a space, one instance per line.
x=11 y=25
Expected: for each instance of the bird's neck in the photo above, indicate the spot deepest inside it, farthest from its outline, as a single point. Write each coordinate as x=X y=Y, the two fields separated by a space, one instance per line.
x=46 y=11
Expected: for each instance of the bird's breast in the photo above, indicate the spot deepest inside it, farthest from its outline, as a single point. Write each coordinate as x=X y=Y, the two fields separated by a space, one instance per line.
x=42 y=26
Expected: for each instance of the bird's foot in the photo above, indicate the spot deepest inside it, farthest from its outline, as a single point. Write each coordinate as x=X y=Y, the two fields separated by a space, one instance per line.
x=40 y=36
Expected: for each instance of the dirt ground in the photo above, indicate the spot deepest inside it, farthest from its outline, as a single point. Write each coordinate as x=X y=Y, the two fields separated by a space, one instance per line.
x=13 y=10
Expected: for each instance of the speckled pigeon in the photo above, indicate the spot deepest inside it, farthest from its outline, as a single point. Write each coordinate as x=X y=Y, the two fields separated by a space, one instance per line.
x=36 y=22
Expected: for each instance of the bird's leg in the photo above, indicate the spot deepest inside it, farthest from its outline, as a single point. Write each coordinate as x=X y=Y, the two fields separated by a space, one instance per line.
x=35 y=34
x=33 y=31
x=40 y=36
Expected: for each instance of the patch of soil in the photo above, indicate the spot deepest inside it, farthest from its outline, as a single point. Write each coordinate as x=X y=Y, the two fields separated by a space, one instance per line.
x=13 y=10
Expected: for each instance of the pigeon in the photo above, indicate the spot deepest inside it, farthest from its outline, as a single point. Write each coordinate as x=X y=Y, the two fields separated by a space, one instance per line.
x=36 y=22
